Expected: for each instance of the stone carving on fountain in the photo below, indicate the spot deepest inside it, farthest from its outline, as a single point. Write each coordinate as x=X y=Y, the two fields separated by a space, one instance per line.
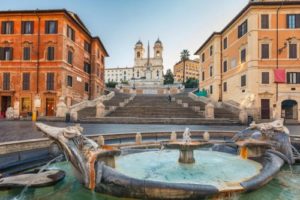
x=93 y=165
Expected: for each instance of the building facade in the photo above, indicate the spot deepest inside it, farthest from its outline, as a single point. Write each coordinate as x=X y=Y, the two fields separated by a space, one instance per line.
x=145 y=66
x=118 y=75
x=45 y=55
x=255 y=60
x=191 y=70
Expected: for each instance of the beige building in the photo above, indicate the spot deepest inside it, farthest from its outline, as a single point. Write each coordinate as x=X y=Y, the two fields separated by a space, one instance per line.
x=255 y=61
x=145 y=67
x=191 y=70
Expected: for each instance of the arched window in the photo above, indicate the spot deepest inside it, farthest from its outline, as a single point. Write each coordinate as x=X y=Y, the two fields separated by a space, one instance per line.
x=138 y=74
x=157 y=73
x=138 y=54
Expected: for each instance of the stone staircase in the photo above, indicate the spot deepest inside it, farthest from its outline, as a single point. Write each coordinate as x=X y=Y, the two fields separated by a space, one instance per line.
x=110 y=106
x=154 y=106
x=183 y=98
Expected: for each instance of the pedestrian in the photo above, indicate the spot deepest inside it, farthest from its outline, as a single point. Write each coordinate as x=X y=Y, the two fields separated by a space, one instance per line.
x=169 y=98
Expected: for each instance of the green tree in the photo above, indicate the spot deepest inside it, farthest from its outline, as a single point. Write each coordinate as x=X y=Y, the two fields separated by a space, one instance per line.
x=168 y=77
x=111 y=84
x=192 y=83
x=184 y=55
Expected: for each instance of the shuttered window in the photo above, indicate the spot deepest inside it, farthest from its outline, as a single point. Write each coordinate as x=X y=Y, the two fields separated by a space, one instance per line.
x=6 y=81
x=70 y=33
x=225 y=86
x=243 y=56
x=225 y=43
x=293 y=21
x=70 y=57
x=26 y=53
x=87 y=46
x=50 y=81
x=26 y=81
x=50 y=53
x=203 y=57
x=6 y=53
x=69 y=81
x=293 y=77
x=27 y=27
x=225 y=66
x=211 y=89
x=265 y=51
x=203 y=76
x=243 y=29
x=7 y=27
x=243 y=81
x=86 y=87
x=51 y=27
x=87 y=67
x=265 y=78
x=264 y=21
x=292 y=50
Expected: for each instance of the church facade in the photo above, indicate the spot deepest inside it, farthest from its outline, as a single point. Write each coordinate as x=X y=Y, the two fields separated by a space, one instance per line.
x=146 y=68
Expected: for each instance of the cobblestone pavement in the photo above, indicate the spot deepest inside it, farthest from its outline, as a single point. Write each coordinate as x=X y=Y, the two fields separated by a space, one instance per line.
x=23 y=130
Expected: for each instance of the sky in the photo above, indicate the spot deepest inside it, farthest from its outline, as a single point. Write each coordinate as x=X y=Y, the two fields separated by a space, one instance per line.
x=179 y=24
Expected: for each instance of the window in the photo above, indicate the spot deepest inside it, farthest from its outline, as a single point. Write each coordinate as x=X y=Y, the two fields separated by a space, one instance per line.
x=26 y=53
x=70 y=57
x=211 y=89
x=265 y=51
x=87 y=67
x=7 y=27
x=69 y=81
x=27 y=27
x=157 y=53
x=26 y=81
x=243 y=55
x=50 y=53
x=6 y=81
x=6 y=53
x=87 y=46
x=225 y=43
x=264 y=21
x=243 y=81
x=265 y=78
x=292 y=51
x=51 y=27
x=157 y=73
x=242 y=29
x=102 y=60
x=293 y=77
x=293 y=21
x=225 y=66
x=225 y=86
x=203 y=76
x=203 y=57
x=70 y=33
x=211 y=49
x=86 y=87
x=50 y=81
x=210 y=71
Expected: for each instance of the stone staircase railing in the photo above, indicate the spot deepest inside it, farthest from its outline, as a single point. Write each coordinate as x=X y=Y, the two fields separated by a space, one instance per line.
x=121 y=104
x=73 y=110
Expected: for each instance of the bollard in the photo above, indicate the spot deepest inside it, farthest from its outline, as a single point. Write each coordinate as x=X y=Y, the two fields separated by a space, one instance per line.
x=33 y=117
x=138 y=138
x=173 y=137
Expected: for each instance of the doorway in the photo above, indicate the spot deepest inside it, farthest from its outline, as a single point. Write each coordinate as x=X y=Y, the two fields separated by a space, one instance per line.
x=265 y=109
x=289 y=109
x=50 y=107
x=5 y=103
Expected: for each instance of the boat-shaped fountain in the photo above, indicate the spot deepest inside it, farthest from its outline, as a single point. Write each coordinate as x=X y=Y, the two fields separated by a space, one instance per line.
x=182 y=170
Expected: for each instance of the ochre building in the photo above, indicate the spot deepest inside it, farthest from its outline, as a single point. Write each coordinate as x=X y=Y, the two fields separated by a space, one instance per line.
x=191 y=70
x=45 y=55
x=254 y=61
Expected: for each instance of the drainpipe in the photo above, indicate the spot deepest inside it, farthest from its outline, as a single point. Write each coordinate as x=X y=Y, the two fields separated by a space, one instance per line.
x=221 y=71
x=277 y=45
x=38 y=54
